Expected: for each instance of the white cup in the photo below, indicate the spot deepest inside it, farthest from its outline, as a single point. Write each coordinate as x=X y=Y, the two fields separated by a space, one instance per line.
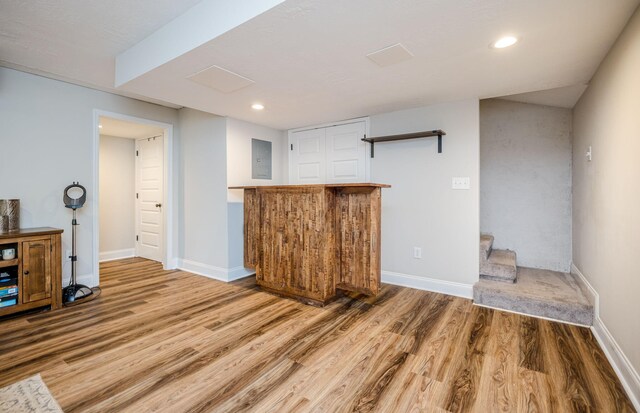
x=9 y=254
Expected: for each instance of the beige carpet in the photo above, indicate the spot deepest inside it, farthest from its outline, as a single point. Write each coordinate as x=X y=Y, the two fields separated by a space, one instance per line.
x=28 y=396
x=543 y=293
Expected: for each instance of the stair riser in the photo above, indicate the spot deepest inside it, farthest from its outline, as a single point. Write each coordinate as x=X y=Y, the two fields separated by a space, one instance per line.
x=499 y=279
x=556 y=311
x=498 y=272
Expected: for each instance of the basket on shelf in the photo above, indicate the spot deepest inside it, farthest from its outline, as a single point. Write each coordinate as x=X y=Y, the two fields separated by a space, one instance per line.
x=9 y=215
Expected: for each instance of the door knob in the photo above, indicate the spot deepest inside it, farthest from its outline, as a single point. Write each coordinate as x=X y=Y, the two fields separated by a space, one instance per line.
x=158 y=205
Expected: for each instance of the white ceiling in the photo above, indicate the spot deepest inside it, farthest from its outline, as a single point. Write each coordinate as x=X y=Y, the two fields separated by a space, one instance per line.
x=125 y=129
x=79 y=39
x=308 y=57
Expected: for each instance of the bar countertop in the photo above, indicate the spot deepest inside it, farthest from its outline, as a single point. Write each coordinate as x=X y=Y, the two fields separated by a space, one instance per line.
x=27 y=232
x=347 y=185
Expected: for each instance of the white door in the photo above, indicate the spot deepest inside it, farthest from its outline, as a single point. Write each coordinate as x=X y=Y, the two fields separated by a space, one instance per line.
x=149 y=196
x=346 y=153
x=307 y=157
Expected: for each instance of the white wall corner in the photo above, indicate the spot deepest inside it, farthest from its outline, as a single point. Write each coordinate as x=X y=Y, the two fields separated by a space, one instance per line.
x=209 y=271
x=428 y=284
x=85 y=279
x=171 y=264
x=117 y=254
x=239 y=272
x=621 y=365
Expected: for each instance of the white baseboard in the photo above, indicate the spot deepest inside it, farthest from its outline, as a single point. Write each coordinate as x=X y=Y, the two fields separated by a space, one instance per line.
x=628 y=376
x=86 y=279
x=587 y=288
x=239 y=272
x=428 y=284
x=172 y=264
x=117 y=254
x=209 y=271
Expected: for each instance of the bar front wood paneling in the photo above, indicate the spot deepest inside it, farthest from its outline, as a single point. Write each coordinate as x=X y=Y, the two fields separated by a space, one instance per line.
x=251 y=220
x=308 y=241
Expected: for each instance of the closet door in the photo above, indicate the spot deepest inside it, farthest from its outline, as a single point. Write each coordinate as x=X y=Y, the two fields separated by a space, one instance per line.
x=346 y=153
x=307 y=157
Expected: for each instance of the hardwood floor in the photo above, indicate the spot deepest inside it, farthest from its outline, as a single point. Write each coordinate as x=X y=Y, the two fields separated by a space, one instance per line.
x=170 y=341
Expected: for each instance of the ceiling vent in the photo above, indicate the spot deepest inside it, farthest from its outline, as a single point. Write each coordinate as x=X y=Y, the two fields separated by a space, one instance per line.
x=390 y=55
x=220 y=79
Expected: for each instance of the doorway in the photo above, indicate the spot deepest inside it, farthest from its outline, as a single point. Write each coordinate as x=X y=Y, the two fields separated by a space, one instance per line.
x=132 y=182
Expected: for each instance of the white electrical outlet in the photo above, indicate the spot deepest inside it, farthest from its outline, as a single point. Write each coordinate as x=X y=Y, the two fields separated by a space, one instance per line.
x=460 y=182
x=417 y=252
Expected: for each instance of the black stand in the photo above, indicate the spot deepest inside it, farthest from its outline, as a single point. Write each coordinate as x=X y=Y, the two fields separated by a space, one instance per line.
x=74 y=292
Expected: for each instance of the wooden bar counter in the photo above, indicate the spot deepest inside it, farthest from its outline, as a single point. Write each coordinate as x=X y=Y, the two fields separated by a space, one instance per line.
x=307 y=241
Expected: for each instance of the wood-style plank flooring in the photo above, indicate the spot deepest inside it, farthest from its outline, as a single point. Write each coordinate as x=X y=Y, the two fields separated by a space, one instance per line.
x=171 y=341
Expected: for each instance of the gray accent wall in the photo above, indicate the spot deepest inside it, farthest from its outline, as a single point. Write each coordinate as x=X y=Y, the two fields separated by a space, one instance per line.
x=525 y=181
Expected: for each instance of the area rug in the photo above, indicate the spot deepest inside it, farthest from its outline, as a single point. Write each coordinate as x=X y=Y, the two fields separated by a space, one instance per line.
x=28 y=396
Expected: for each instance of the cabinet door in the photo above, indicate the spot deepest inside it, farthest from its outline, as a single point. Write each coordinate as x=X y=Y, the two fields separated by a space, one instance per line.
x=36 y=270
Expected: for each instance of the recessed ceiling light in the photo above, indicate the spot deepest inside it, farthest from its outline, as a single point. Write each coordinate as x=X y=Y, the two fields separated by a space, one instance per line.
x=504 y=42
x=100 y=126
x=257 y=106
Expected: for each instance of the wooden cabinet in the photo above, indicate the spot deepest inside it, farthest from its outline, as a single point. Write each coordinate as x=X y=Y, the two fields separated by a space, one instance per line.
x=35 y=271
x=306 y=241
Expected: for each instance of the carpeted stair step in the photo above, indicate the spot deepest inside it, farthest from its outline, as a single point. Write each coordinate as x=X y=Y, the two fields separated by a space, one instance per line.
x=486 y=242
x=541 y=293
x=500 y=266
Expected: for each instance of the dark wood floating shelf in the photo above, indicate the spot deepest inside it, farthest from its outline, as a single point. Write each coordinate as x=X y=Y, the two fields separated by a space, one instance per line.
x=426 y=134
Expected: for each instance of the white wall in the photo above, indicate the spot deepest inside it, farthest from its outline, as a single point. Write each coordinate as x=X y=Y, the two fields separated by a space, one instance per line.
x=606 y=199
x=117 y=196
x=47 y=142
x=421 y=209
x=239 y=136
x=203 y=218
x=525 y=173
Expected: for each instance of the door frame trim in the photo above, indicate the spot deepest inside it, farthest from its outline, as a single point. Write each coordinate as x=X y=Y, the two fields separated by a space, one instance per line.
x=168 y=257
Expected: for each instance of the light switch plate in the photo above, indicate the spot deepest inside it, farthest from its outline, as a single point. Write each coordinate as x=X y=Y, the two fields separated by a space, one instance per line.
x=460 y=182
